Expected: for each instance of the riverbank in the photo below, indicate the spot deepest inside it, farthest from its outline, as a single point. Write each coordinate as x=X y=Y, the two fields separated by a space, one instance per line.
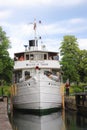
x=4 y=121
x=77 y=103
x=70 y=103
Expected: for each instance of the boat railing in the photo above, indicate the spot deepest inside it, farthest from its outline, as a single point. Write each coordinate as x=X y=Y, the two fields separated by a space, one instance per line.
x=32 y=59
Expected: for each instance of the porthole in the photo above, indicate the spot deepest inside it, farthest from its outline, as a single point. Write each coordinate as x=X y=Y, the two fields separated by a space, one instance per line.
x=49 y=83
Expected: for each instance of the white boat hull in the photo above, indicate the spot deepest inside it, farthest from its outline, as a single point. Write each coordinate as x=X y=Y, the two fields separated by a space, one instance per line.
x=38 y=94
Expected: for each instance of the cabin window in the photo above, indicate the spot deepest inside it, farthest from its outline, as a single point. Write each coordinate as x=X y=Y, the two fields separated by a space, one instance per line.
x=36 y=57
x=17 y=76
x=56 y=57
x=31 y=56
x=27 y=75
x=56 y=73
x=47 y=73
x=15 y=58
x=45 y=56
x=39 y=56
x=21 y=58
x=27 y=57
x=53 y=72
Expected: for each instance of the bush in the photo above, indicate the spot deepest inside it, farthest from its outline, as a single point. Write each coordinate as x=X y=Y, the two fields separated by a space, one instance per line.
x=5 y=91
x=76 y=89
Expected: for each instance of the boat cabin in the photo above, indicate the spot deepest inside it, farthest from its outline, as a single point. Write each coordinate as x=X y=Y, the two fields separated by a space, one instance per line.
x=26 y=62
x=36 y=55
x=32 y=53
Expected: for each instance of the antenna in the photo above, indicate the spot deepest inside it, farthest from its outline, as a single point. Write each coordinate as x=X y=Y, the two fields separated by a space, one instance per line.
x=34 y=43
x=35 y=26
x=35 y=32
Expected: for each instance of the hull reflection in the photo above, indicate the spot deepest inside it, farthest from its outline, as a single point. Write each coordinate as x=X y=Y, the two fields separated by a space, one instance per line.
x=31 y=122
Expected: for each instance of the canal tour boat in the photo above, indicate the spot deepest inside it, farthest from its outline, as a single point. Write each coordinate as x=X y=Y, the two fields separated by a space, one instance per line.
x=36 y=79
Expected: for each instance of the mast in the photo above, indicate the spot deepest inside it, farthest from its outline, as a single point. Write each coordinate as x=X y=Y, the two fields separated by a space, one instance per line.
x=35 y=35
x=33 y=44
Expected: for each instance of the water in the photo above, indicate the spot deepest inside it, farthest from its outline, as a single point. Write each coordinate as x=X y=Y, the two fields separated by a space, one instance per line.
x=56 y=121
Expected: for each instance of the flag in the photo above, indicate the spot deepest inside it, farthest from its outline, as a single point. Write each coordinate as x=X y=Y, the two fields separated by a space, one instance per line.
x=39 y=37
x=34 y=24
x=40 y=21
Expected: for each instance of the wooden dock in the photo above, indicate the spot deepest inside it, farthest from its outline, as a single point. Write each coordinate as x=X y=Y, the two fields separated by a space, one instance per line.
x=4 y=120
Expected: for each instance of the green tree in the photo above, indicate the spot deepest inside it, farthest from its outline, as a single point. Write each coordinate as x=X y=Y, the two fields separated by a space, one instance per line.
x=69 y=51
x=82 y=65
x=6 y=63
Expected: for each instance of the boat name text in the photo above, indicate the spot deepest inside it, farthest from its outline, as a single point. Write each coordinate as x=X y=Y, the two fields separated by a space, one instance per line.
x=37 y=64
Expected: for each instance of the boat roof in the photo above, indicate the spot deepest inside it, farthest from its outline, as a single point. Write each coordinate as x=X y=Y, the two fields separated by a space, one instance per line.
x=32 y=51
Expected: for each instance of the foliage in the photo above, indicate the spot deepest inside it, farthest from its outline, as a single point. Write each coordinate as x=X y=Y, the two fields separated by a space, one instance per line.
x=6 y=91
x=73 y=61
x=6 y=63
x=69 y=51
x=75 y=89
x=82 y=65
